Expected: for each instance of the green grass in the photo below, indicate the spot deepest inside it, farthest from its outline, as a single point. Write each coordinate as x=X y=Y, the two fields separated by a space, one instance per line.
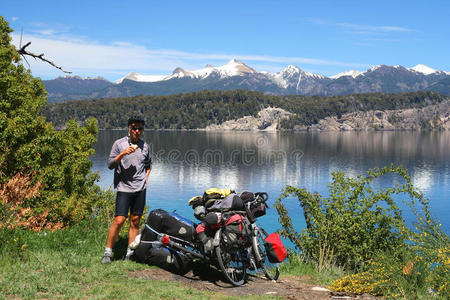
x=66 y=264
x=296 y=266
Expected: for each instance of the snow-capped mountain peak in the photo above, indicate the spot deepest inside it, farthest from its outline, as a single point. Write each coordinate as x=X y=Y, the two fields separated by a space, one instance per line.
x=423 y=69
x=232 y=68
x=234 y=61
x=291 y=69
x=180 y=72
x=140 y=77
x=375 y=68
x=235 y=68
x=292 y=76
x=352 y=73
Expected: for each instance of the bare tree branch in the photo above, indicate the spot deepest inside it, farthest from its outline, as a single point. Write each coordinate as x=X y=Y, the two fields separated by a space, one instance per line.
x=22 y=51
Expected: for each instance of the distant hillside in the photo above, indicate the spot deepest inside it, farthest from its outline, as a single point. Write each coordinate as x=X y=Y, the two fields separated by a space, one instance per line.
x=74 y=88
x=206 y=108
x=442 y=86
x=236 y=75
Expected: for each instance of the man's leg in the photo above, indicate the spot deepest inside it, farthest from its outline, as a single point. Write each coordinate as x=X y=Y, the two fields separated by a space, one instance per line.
x=134 y=227
x=121 y=214
x=136 y=211
x=114 y=231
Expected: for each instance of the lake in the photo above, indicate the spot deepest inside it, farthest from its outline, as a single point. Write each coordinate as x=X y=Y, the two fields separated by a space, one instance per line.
x=188 y=162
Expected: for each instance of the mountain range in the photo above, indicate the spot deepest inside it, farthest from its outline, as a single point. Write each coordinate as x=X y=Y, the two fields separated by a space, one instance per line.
x=237 y=75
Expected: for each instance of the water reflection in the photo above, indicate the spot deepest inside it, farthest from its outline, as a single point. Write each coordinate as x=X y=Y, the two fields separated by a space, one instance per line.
x=186 y=163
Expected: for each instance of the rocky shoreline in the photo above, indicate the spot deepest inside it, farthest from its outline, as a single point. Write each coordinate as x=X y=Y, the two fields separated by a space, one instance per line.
x=432 y=117
x=268 y=119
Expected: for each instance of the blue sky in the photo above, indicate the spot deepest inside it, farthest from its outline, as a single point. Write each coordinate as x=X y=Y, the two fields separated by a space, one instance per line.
x=113 y=38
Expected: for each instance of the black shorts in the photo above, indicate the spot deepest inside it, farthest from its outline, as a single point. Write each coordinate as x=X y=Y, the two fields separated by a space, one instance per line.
x=134 y=202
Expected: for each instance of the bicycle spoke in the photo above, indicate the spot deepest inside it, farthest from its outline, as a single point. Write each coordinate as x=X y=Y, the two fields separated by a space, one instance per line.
x=271 y=270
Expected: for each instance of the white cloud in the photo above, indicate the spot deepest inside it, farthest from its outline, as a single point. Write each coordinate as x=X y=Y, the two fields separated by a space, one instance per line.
x=14 y=19
x=48 y=32
x=89 y=58
x=361 y=28
x=385 y=28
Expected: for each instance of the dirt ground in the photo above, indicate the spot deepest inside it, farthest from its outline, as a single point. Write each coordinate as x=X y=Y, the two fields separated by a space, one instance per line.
x=289 y=287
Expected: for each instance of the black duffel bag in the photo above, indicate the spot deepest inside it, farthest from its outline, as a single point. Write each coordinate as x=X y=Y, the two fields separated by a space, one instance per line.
x=150 y=250
x=171 y=223
x=167 y=259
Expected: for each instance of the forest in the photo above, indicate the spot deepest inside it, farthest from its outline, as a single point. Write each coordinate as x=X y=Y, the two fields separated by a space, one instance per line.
x=203 y=108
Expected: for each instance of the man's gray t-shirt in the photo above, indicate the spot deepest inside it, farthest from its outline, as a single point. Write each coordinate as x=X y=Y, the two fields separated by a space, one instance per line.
x=129 y=173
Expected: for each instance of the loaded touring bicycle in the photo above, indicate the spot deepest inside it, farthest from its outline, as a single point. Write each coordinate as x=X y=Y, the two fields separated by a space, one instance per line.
x=226 y=237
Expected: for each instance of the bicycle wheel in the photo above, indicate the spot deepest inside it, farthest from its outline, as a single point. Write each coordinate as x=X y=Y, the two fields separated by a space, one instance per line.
x=271 y=270
x=232 y=261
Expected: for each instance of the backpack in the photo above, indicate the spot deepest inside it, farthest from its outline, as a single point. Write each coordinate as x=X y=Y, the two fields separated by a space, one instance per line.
x=236 y=231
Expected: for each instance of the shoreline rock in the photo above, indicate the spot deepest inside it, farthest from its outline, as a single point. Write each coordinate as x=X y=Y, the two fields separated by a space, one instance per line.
x=268 y=119
x=432 y=117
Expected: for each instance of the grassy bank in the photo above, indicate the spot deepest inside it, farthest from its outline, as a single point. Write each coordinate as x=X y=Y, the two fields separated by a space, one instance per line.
x=297 y=266
x=66 y=264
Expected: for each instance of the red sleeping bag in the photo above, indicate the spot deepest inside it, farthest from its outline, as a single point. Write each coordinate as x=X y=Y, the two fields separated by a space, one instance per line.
x=276 y=252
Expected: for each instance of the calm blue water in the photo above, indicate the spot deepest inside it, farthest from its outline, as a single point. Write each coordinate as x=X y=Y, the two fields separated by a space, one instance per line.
x=187 y=163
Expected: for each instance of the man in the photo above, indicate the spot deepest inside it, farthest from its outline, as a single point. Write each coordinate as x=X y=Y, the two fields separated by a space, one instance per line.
x=131 y=160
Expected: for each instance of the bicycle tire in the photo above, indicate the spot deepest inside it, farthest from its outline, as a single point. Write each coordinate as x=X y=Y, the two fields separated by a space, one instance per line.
x=271 y=270
x=232 y=262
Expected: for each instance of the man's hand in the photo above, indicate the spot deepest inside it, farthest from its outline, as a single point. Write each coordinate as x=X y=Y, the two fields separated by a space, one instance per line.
x=128 y=150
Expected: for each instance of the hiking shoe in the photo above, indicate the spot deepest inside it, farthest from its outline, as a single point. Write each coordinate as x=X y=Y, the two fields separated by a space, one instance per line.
x=129 y=255
x=106 y=259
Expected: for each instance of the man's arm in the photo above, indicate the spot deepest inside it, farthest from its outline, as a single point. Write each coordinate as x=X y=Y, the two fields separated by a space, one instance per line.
x=147 y=164
x=147 y=173
x=116 y=156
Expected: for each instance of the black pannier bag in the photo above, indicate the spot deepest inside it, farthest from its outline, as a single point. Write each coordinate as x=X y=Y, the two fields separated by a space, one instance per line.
x=276 y=252
x=259 y=205
x=257 y=209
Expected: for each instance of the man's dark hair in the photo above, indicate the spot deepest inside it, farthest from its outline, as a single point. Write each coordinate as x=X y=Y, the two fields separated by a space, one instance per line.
x=134 y=119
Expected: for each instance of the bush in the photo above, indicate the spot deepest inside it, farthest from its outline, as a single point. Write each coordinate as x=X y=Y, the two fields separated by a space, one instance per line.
x=418 y=270
x=352 y=224
x=363 y=230
x=34 y=156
